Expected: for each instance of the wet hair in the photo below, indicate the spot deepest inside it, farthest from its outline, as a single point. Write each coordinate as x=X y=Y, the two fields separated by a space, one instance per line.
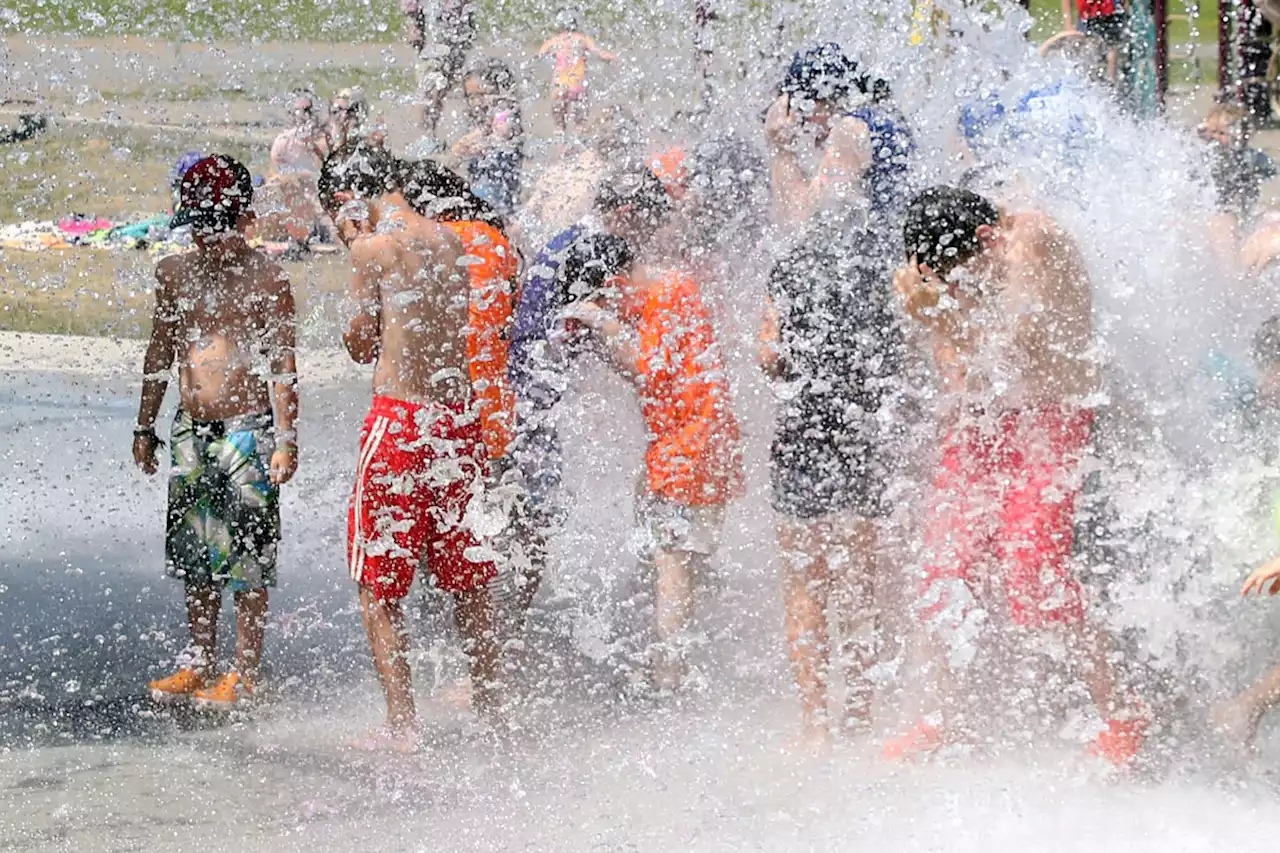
x=442 y=194
x=941 y=229
x=590 y=262
x=368 y=170
x=1266 y=344
x=568 y=18
x=495 y=73
x=826 y=73
x=729 y=178
x=639 y=188
x=359 y=106
x=360 y=167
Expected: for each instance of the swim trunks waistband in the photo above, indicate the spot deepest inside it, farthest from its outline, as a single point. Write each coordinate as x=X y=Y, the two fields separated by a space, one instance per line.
x=395 y=407
x=236 y=423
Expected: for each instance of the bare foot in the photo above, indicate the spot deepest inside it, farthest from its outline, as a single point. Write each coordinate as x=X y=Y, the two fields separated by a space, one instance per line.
x=857 y=716
x=814 y=740
x=402 y=740
x=1235 y=722
x=458 y=694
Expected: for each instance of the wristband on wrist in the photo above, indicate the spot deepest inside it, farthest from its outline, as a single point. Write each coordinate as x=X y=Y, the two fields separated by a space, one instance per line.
x=147 y=432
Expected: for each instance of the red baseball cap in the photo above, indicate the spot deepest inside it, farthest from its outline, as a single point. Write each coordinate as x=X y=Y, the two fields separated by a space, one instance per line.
x=213 y=194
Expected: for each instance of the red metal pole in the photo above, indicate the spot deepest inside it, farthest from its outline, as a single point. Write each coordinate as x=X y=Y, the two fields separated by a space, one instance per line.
x=1224 y=43
x=1161 y=11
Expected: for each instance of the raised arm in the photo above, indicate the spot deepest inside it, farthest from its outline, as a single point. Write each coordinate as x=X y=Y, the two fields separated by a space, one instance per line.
x=282 y=352
x=363 y=336
x=156 y=365
x=549 y=45
x=594 y=48
x=769 y=357
x=795 y=197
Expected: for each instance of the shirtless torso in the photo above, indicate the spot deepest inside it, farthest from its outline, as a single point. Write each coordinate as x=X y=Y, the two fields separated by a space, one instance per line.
x=228 y=324
x=1021 y=333
x=412 y=296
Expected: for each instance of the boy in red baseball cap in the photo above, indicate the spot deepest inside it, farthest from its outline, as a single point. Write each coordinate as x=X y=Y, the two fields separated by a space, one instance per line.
x=224 y=314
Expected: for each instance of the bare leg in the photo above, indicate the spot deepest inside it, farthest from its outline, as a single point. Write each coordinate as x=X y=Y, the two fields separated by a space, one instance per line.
x=578 y=112
x=384 y=623
x=1238 y=718
x=853 y=574
x=473 y=612
x=1093 y=649
x=560 y=113
x=806 y=588
x=432 y=109
x=673 y=612
x=203 y=606
x=251 y=621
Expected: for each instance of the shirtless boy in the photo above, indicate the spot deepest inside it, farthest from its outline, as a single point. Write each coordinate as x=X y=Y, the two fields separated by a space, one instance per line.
x=570 y=49
x=1007 y=304
x=224 y=313
x=422 y=457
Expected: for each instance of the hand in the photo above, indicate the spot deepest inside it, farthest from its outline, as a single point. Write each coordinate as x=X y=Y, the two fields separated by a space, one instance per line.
x=284 y=463
x=1265 y=580
x=780 y=127
x=144 y=452
x=469 y=145
x=588 y=313
x=921 y=291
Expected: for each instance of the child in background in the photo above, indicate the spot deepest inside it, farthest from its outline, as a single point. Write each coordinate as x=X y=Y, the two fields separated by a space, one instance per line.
x=493 y=151
x=1105 y=20
x=1237 y=719
x=570 y=48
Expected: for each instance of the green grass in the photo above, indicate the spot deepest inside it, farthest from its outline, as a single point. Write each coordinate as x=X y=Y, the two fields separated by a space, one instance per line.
x=107 y=171
x=381 y=20
x=326 y=82
x=1048 y=18
x=263 y=20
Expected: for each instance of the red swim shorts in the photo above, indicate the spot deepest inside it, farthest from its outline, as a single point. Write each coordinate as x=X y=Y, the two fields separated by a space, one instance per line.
x=420 y=466
x=1002 y=515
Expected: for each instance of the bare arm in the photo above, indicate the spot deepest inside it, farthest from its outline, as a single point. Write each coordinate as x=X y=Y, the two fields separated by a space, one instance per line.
x=283 y=354
x=770 y=336
x=795 y=197
x=156 y=365
x=1067 y=16
x=607 y=56
x=618 y=347
x=364 y=330
x=549 y=45
x=284 y=376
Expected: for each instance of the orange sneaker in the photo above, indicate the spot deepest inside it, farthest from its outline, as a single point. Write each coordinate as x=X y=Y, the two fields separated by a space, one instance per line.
x=1121 y=741
x=176 y=687
x=921 y=741
x=226 y=693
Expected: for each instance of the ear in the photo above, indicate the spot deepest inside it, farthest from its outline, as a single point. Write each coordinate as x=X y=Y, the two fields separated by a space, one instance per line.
x=987 y=237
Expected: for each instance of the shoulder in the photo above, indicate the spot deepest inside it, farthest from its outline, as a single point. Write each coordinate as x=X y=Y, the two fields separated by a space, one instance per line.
x=171 y=270
x=273 y=277
x=1038 y=232
x=375 y=250
x=848 y=133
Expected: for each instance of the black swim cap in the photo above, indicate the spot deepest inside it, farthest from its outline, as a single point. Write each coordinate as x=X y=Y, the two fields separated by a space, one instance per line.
x=360 y=167
x=640 y=188
x=941 y=228
x=822 y=73
x=590 y=262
